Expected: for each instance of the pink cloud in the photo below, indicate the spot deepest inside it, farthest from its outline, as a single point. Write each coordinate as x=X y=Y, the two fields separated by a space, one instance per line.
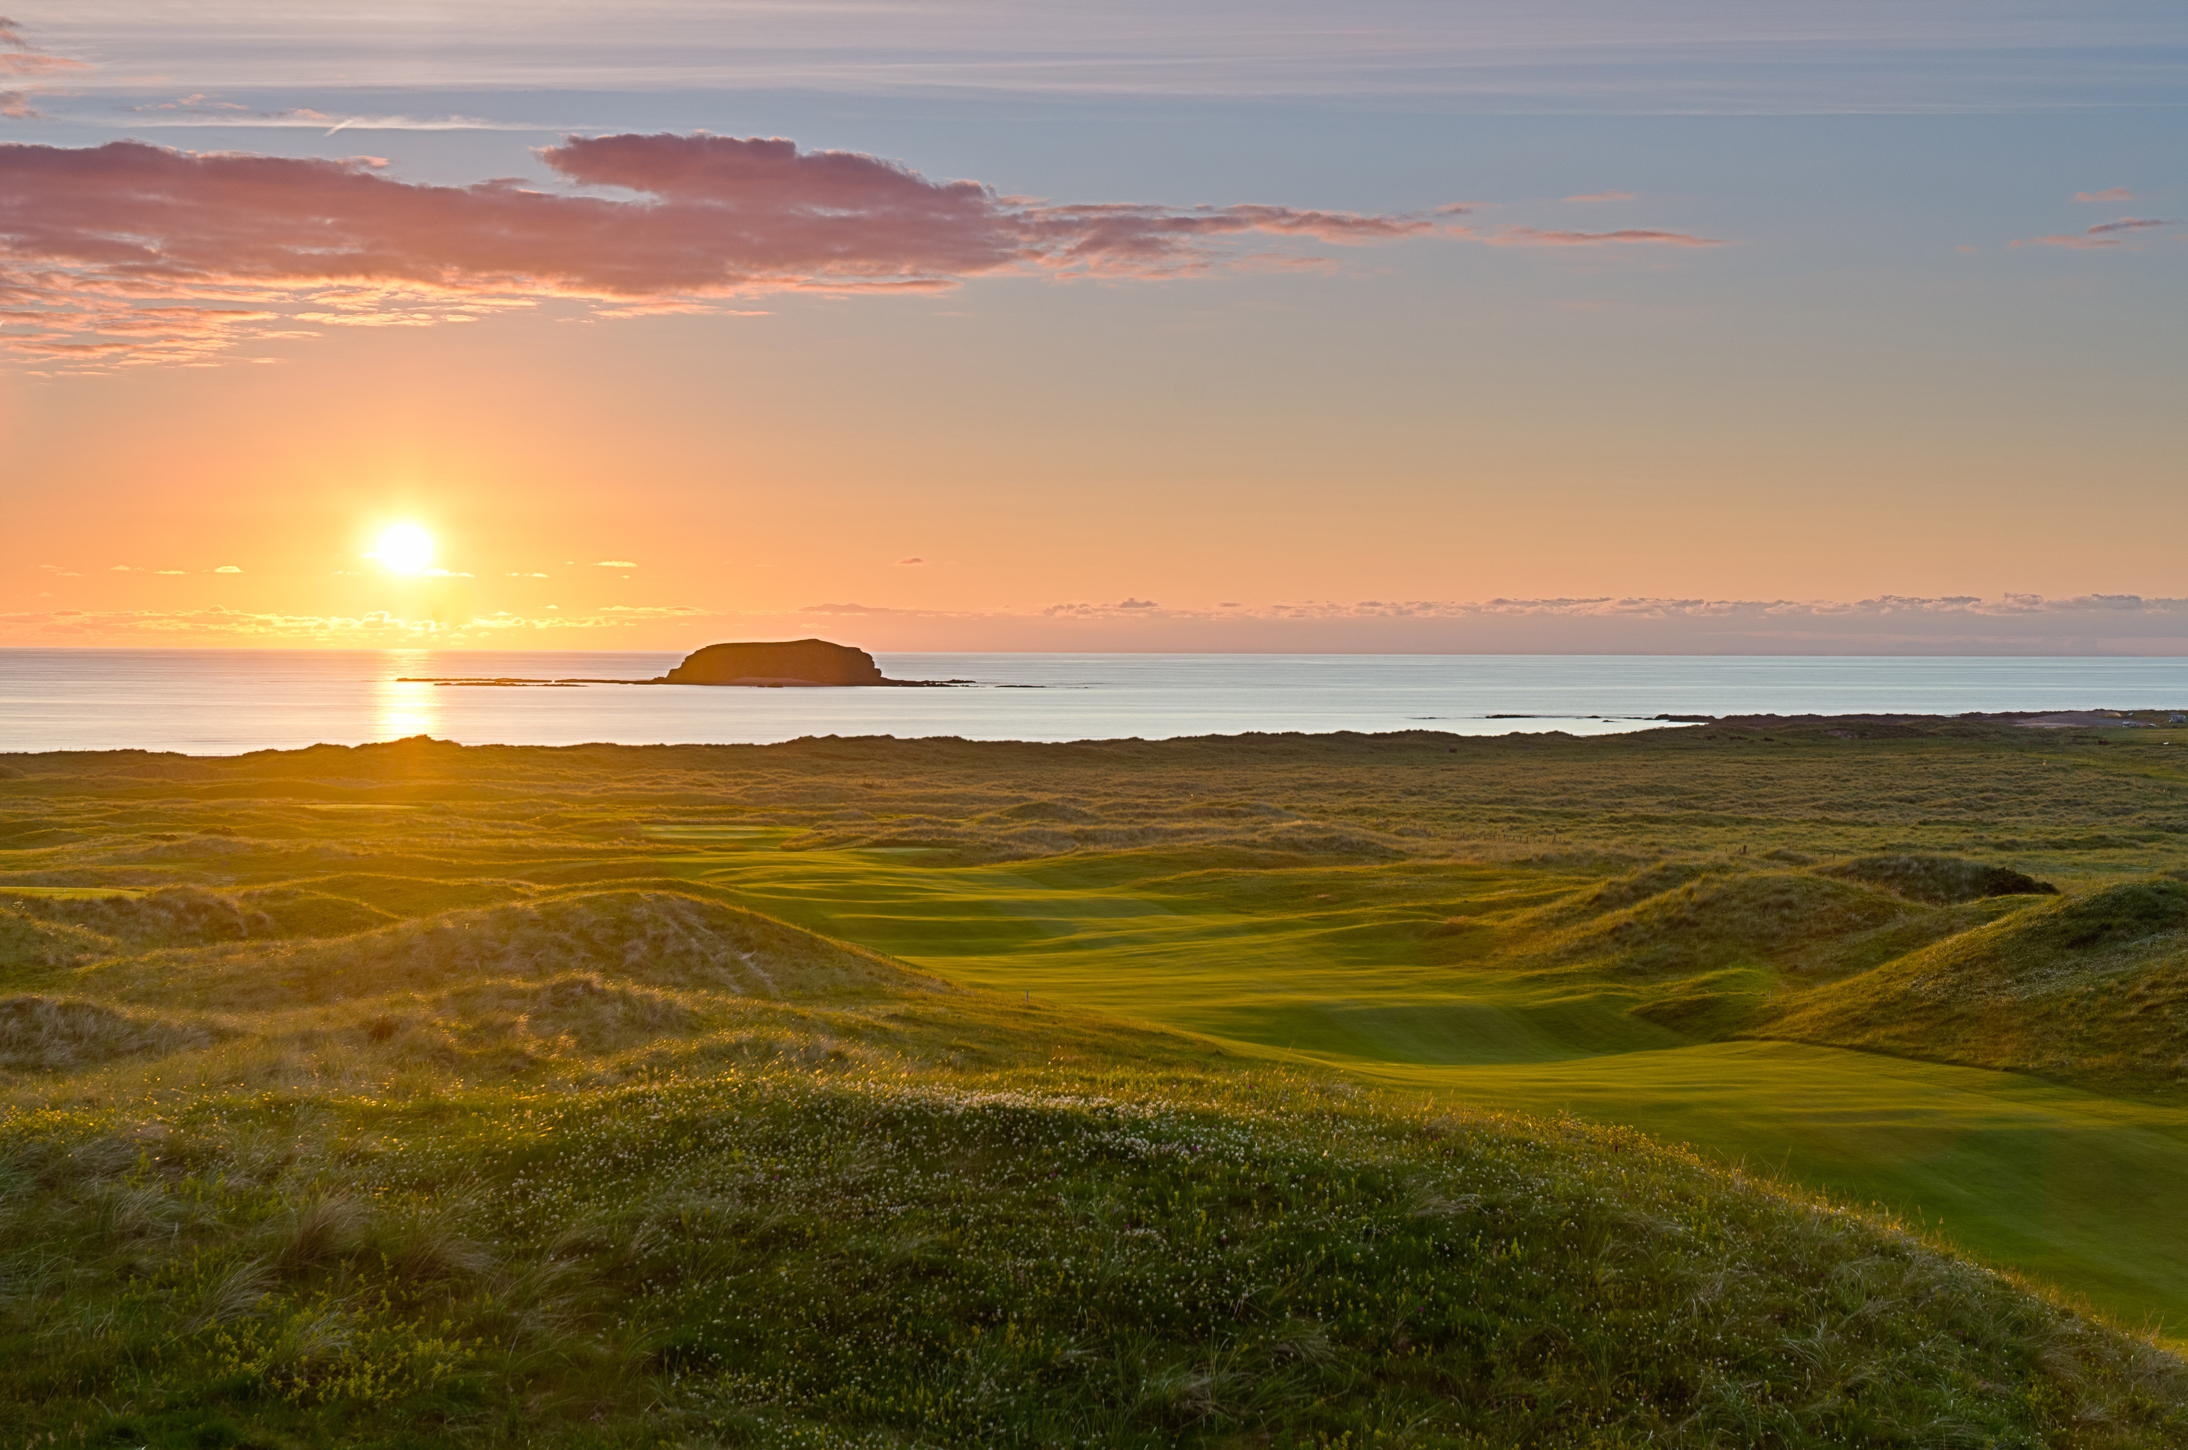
x=200 y=104
x=32 y=66
x=20 y=60
x=1538 y=237
x=93 y=233
x=2114 y=193
x=1603 y=196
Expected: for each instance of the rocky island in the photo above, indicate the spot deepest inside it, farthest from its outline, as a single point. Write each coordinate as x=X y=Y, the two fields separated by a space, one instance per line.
x=765 y=664
x=788 y=662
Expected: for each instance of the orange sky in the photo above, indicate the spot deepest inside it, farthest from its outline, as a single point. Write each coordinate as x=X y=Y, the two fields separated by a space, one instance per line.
x=1864 y=391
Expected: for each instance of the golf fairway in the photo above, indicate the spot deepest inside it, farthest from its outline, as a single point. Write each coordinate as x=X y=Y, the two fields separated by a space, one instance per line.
x=2076 y=1188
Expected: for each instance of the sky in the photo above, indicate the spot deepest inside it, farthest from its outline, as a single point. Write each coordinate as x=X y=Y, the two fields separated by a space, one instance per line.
x=1691 y=326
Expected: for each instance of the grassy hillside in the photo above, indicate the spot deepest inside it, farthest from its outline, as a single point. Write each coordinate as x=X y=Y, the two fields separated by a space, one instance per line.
x=635 y=1168
x=2093 y=989
x=1214 y=1092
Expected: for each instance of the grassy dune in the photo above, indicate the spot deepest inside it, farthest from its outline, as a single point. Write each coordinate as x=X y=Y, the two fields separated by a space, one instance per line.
x=1272 y=1091
x=2092 y=988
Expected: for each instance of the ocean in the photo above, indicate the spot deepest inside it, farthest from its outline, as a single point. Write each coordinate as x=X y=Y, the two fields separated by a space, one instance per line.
x=222 y=702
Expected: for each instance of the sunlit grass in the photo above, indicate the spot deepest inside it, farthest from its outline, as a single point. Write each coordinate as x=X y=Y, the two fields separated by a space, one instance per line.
x=858 y=1093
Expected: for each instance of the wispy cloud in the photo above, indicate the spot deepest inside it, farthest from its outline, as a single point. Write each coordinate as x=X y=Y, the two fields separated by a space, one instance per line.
x=1604 y=196
x=375 y=627
x=199 y=104
x=2128 y=224
x=133 y=253
x=171 y=118
x=1128 y=606
x=1605 y=606
x=1517 y=236
x=2104 y=234
x=2110 y=193
x=22 y=61
x=1590 y=56
x=1883 y=624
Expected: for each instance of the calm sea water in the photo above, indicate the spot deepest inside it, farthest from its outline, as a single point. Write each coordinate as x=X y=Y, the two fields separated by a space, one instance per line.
x=227 y=701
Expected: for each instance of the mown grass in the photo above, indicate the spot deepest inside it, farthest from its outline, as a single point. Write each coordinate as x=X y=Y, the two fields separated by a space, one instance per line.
x=1212 y=1092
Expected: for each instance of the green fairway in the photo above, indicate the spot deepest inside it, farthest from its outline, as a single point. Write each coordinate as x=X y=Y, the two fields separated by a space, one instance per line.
x=1338 y=965
x=2081 y=1190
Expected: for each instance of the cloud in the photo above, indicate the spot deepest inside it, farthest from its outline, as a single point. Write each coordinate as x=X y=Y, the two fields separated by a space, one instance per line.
x=614 y=564
x=1877 y=607
x=304 y=118
x=2095 y=623
x=2113 y=193
x=365 y=629
x=2104 y=234
x=28 y=65
x=20 y=60
x=1604 y=196
x=2011 y=624
x=200 y=103
x=89 y=236
x=1539 y=237
x=1496 y=58
x=911 y=561
x=1126 y=606
x=227 y=569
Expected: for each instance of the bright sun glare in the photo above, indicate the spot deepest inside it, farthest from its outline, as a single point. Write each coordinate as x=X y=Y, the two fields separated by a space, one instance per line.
x=405 y=549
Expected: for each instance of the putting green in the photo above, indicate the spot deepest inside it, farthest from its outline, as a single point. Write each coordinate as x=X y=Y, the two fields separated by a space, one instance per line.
x=1370 y=968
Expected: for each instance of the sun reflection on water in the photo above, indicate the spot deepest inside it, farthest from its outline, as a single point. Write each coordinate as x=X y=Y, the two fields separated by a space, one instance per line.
x=401 y=707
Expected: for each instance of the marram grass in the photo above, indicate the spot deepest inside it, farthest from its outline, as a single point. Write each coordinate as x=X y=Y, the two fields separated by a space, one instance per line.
x=1034 y=1258
x=930 y=1094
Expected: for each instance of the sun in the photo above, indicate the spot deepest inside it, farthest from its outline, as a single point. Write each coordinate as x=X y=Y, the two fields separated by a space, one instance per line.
x=405 y=549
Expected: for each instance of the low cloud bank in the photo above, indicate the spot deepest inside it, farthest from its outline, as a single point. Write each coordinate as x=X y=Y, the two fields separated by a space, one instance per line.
x=2014 y=624
x=2092 y=624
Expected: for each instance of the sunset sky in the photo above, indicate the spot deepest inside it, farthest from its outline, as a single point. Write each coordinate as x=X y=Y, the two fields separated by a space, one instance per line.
x=1382 y=325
